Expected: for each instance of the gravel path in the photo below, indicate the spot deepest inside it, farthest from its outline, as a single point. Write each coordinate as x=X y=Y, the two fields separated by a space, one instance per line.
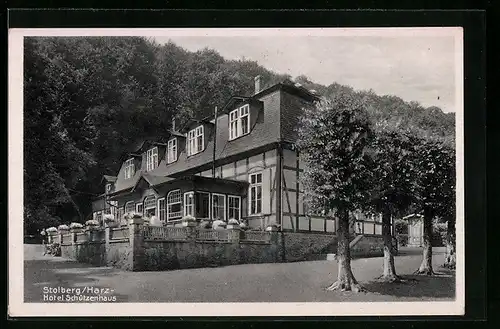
x=288 y=282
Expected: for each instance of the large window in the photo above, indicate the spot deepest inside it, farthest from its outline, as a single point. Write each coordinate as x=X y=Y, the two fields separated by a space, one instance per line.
x=152 y=159
x=139 y=208
x=189 y=204
x=129 y=168
x=172 y=150
x=161 y=209
x=234 y=207
x=174 y=203
x=202 y=205
x=150 y=206
x=195 y=141
x=129 y=207
x=111 y=207
x=218 y=206
x=197 y=204
x=239 y=122
x=119 y=214
x=255 y=194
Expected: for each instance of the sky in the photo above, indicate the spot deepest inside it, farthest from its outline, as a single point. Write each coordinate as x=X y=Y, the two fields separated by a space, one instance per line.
x=415 y=68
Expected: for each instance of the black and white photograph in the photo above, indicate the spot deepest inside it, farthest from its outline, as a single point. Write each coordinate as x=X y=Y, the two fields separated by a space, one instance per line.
x=236 y=171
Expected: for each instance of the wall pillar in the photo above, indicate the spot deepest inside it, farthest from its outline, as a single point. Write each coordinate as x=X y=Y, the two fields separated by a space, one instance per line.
x=107 y=236
x=191 y=231
x=234 y=234
x=136 y=240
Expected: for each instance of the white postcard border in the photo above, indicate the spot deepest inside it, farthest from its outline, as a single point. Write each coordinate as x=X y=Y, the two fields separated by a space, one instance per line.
x=18 y=308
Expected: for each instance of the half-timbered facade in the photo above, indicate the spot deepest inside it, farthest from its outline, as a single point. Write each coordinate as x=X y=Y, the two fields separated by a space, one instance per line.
x=241 y=164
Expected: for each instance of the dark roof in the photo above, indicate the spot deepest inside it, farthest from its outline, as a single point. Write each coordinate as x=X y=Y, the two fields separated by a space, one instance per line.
x=176 y=133
x=109 y=178
x=152 y=180
x=267 y=131
x=195 y=122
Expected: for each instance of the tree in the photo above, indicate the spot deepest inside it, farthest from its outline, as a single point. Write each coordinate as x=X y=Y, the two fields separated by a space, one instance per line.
x=435 y=181
x=447 y=210
x=392 y=169
x=332 y=140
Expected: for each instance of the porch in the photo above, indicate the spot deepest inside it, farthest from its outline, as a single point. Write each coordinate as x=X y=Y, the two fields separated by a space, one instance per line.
x=164 y=201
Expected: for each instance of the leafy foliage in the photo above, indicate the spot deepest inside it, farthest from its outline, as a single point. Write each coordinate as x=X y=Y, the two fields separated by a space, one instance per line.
x=332 y=139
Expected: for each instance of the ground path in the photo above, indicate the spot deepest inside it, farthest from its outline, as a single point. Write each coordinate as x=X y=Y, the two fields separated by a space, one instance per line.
x=288 y=282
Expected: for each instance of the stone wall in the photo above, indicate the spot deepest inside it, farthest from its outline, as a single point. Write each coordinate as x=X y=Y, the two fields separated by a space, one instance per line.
x=97 y=249
x=138 y=251
x=368 y=246
x=118 y=254
x=294 y=247
x=168 y=255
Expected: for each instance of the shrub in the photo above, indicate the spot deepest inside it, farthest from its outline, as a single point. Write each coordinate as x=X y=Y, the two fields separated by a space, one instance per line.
x=75 y=225
x=63 y=227
x=218 y=224
x=188 y=218
x=206 y=224
x=233 y=221
x=401 y=226
x=51 y=229
x=92 y=222
x=53 y=249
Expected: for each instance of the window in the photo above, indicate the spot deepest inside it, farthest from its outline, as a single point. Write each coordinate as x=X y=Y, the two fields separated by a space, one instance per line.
x=218 y=206
x=255 y=194
x=98 y=217
x=111 y=207
x=109 y=186
x=189 y=204
x=233 y=207
x=239 y=122
x=202 y=205
x=139 y=208
x=161 y=209
x=129 y=207
x=150 y=206
x=174 y=205
x=152 y=159
x=197 y=204
x=149 y=202
x=119 y=214
x=129 y=168
x=172 y=150
x=195 y=142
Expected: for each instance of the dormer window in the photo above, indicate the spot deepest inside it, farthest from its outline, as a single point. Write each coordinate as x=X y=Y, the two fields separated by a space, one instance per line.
x=239 y=122
x=195 y=141
x=109 y=186
x=172 y=150
x=129 y=168
x=152 y=159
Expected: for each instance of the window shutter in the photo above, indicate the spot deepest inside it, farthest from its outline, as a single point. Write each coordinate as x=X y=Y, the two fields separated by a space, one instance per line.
x=266 y=191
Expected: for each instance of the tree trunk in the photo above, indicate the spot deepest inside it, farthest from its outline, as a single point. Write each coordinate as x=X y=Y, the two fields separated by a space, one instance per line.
x=426 y=265
x=389 y=268
x=345 y=279
x=450 y=260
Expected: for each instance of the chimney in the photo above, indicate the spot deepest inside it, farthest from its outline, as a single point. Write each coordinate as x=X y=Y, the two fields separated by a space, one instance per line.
x=258 y=81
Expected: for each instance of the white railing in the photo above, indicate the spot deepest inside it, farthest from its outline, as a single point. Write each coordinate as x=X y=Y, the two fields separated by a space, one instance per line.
x=212 y=235
x=256 y=236
x=164 y=233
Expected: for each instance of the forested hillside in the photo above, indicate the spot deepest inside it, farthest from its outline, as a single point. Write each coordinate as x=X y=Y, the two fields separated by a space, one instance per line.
x=87 y=99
